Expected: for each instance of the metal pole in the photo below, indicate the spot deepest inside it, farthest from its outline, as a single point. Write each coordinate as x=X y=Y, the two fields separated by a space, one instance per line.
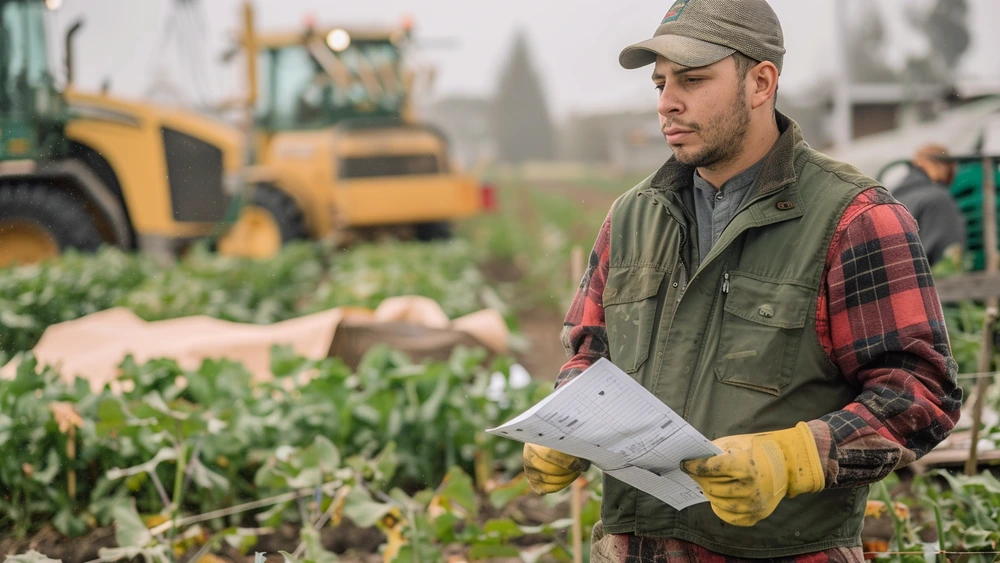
x=992 y=266
x=842 y=111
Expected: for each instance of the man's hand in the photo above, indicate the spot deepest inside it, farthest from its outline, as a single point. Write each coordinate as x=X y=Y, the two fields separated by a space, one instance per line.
x=755 y=471
x=549 y=471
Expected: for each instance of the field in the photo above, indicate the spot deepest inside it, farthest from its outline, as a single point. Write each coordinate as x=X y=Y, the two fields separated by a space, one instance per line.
x=384 y=462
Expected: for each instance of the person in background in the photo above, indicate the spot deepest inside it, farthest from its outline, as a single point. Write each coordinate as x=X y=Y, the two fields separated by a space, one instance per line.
x=925 y=193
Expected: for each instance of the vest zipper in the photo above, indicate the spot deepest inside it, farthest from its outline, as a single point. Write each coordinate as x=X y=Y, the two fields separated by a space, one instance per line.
x=683 y=268
x=694 y=383
x=680 y=256
x=683 y=262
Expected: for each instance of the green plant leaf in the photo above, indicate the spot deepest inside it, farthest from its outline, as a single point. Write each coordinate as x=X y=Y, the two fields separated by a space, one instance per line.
x=367 y=413
x=241 y=539
x=387 y=463
x=429 y=410
x=52 y=466
x=129 y=528
x=327 y=455
x=975 y=538
x=26 y=380
x=165 y=454
x=535 y=553
x=314 y=549
x=504 y=529
x=273 y=516
x=154 y=554
x=111 y=417
x=458 y=487
x=208 y=479
x=69 y=524
x=362 y=510
x=419 y=552
x=487 y=550
x=31 y=556
x=989 y=482
x=444 y=527
x=504 y=494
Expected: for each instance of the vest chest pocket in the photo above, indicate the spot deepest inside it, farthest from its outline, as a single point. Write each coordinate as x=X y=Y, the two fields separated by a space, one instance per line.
x=630 y=300
x=762 y=328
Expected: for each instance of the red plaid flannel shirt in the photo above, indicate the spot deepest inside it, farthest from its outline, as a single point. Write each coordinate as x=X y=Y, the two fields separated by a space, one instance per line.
x=879 y=318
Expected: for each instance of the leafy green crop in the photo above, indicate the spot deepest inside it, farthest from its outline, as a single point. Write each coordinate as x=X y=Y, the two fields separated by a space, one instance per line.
x=303 y=278
x=211 y=431
x=943 y=512
x=186 y=461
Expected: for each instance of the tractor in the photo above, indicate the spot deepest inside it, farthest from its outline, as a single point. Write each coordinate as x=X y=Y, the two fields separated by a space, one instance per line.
x=335 y=119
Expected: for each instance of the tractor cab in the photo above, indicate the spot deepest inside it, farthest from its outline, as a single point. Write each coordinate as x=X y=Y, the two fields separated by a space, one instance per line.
x=32 y=111
x=317 y=80
x=334 y=116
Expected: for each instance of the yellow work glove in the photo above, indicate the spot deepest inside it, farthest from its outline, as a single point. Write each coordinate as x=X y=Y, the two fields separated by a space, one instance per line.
x=755 y=471
x=549 y=471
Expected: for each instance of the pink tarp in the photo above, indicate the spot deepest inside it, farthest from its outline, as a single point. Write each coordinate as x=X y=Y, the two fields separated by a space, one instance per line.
x=93 y=347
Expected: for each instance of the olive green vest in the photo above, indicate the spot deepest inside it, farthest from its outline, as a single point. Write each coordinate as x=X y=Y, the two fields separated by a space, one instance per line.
x=731 y=345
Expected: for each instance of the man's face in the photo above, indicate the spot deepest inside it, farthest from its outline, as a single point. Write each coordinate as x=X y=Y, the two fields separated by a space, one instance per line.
x=704 y=112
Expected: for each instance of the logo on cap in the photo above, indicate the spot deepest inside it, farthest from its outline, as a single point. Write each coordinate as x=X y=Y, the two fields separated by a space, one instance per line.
x=675 y=11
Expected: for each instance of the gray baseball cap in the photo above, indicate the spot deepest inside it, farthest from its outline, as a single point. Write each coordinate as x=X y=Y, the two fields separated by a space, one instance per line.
x=697 y=33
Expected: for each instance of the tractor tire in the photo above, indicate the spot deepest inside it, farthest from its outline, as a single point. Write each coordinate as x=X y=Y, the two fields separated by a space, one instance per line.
x=284 y=210
x=43 y=216
x=433 y=231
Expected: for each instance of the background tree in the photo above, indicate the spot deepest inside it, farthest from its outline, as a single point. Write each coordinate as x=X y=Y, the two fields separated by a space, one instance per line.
x=946 y=25
x=866 y=46
x=521 y=123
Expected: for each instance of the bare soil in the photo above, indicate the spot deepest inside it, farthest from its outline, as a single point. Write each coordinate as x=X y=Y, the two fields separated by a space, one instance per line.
x=546 y=355
x=351 y=543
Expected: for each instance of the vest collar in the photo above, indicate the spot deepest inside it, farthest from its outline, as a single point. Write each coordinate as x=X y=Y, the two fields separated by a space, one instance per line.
x=775 y=196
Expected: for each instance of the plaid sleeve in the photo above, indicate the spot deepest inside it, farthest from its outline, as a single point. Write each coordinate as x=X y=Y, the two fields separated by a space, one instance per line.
x=881 y=321
x=584 y=333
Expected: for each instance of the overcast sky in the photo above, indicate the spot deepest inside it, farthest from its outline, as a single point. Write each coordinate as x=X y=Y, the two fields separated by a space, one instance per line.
x=575 y=48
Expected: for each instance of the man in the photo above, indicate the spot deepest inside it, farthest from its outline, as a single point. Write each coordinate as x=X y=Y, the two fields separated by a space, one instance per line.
x=780 y=301
x=924 y=192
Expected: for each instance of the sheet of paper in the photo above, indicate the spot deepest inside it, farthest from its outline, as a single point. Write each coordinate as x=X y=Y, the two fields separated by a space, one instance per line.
x=607 y=417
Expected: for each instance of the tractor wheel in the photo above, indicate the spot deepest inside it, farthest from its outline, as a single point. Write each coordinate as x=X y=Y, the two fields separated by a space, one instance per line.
x=267 y=222
x=434 y=231
x=38 y=222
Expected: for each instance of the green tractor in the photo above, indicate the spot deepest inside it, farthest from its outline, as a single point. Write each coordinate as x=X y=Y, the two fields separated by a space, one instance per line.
x=33 y=115
x=32 y=110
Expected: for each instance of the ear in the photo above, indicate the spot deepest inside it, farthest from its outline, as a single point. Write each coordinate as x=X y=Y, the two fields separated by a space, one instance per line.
x=762 y=83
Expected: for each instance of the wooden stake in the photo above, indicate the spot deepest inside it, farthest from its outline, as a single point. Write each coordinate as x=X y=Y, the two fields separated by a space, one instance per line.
x=986 y=346
x=482 y=462
x=576 y=511
x=71 y=454
x=575 y=265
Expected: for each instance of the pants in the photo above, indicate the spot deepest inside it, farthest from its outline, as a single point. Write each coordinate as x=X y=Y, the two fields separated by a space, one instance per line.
x=625 y=548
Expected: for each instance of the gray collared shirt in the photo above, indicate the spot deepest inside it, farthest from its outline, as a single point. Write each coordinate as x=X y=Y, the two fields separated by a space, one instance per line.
x=715 y=208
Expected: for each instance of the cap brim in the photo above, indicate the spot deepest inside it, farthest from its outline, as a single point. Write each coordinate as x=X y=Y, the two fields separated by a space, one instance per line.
x=684 y=51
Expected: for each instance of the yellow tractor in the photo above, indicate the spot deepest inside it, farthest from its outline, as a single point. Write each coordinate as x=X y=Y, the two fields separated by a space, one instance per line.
x=80 y=170
x=334 y=124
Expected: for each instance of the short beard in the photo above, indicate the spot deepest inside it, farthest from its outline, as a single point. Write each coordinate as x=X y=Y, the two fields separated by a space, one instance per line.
x=723 y=137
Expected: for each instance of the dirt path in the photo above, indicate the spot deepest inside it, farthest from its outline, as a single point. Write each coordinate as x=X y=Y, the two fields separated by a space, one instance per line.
x=546 y=356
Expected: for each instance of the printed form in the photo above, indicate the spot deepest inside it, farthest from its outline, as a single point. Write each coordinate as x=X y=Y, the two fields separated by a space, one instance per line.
x=605 y=416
